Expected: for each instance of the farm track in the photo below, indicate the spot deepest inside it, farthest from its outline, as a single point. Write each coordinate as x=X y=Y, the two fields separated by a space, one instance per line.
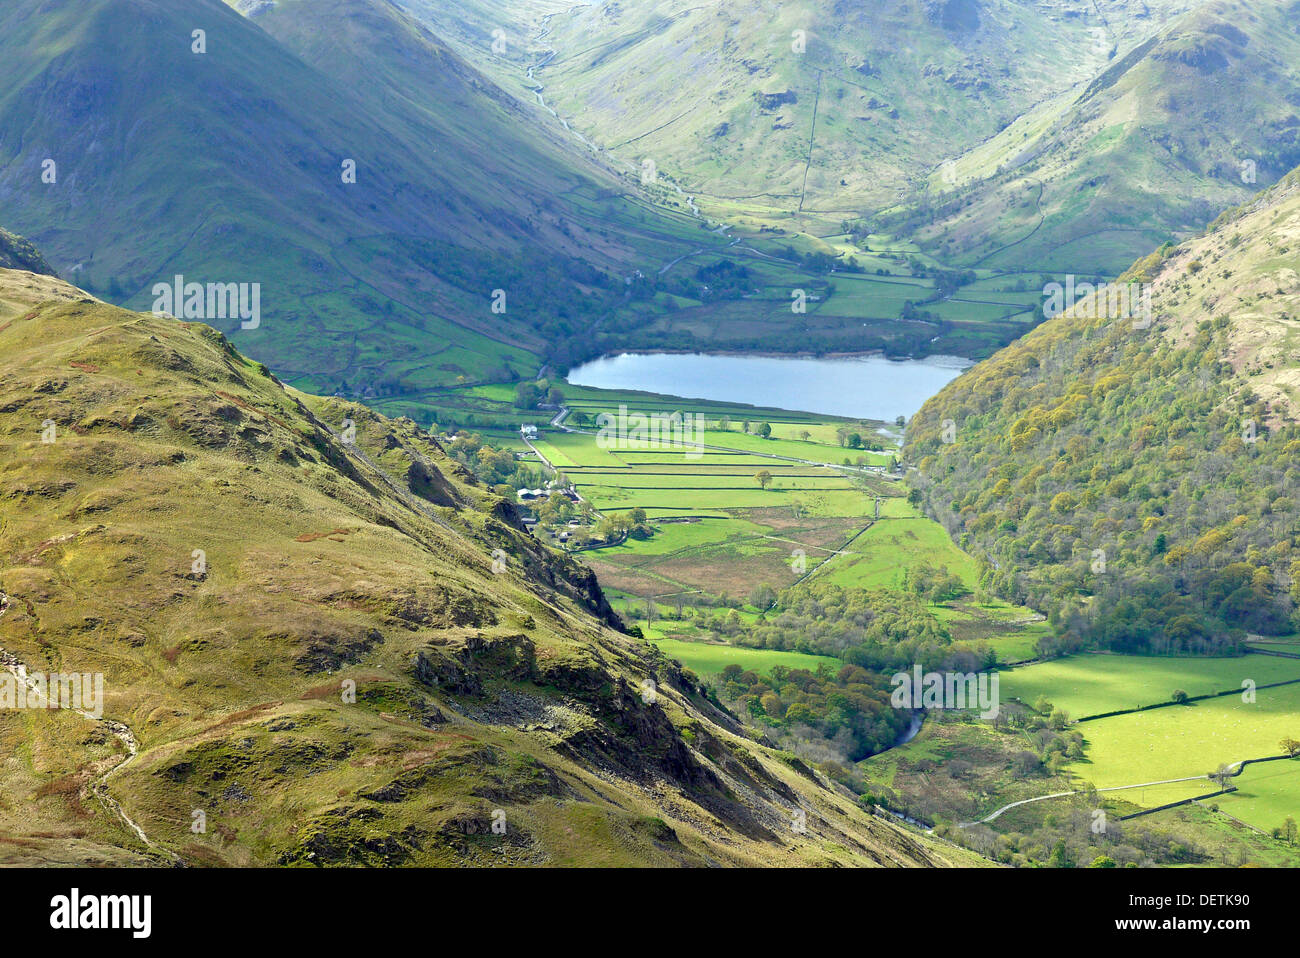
x=1240 y=767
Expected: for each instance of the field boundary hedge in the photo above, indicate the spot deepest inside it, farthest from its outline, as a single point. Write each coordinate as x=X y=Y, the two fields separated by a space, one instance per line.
x=1185 y=801
x=1241 y=767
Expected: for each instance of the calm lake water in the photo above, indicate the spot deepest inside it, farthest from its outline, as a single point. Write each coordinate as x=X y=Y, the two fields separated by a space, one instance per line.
x=870 y=387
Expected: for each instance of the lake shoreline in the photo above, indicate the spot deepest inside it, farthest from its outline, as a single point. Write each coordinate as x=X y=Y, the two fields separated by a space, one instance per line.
x=867 y=387
x=947 y=360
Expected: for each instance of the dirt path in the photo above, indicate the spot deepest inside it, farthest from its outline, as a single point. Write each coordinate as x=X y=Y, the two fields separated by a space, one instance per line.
x=15 y=667
x=1043 y=798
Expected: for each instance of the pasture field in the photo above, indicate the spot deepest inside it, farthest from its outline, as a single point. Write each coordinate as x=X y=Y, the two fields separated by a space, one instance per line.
x=1019 y=644
x=1196 y=739
x=621 y=497
x=679 y=536
x=1266 y=794
x=880 y=556
x=740 y=463
x=1091 y=684
x=716 y=563
x=661 y=478
x=739 y=536
x=1283 y=643
x=706 y=659
x=1229 y=843
x=812 y=521
x=1006 y=628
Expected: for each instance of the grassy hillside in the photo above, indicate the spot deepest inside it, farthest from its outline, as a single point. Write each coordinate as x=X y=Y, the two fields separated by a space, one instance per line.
x=1142 y=482
x=844 y=118
x=1192 y=121
x=235 y=561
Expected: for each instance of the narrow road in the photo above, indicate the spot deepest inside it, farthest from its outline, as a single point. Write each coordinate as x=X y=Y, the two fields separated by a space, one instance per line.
x=1043 y=798
x=558 y=422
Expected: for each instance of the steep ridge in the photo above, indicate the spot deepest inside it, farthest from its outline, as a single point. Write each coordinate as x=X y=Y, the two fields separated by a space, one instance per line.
x=377 y=218
x=1137 y=476
x=328 y=644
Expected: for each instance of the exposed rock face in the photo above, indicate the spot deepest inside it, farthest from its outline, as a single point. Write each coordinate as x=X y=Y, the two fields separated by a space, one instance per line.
x=1203 y=53
x=18 y=253
x=774 y=101
x=957 y=16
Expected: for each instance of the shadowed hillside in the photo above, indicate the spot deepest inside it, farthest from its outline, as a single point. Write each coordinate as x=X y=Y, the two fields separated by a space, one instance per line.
x=17 y=253
x=374 y=184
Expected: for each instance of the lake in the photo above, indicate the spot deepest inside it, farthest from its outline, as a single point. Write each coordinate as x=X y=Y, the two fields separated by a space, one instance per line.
x=867 y=387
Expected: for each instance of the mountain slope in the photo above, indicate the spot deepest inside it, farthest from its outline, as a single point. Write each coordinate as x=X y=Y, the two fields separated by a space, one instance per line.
x=472 y=25
x=1142 y=482
x=1193 y=121
x=214 y=545
x=229 y=166
x=820 y=107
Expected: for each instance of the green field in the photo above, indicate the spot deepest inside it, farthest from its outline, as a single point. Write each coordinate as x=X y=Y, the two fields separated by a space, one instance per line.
x=741 y=536
x=1093 y=684
x=1284 y=643
x=677 y=536
x=1196 y=739
x=815 y=521
x=878 y=558
x=1177 y=741
x=711 y=659
x=1266 y=794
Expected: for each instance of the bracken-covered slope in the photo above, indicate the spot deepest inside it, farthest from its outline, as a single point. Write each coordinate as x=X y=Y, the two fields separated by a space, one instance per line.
x=1142 y=482
x=234 y=560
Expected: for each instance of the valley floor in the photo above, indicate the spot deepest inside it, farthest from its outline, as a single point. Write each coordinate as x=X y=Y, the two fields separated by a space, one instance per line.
x=841 y=516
